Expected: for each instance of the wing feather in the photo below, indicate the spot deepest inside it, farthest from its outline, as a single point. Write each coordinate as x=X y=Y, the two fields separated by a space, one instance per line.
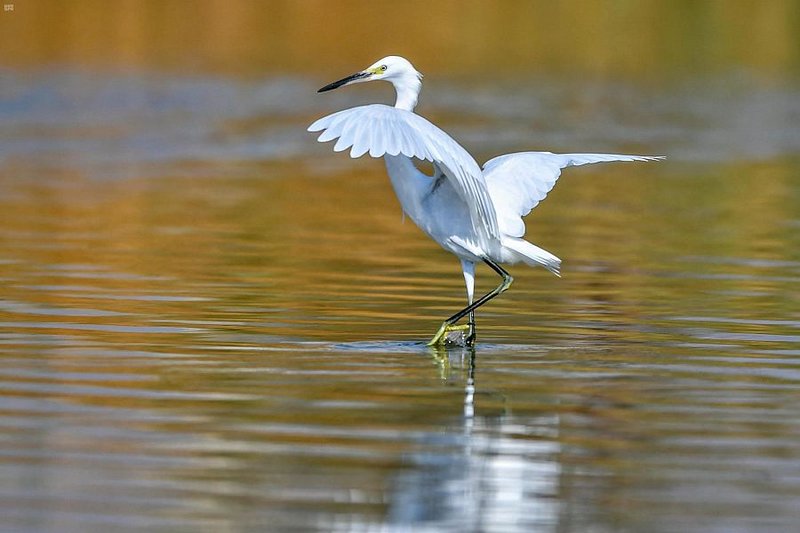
x=518 y=182
x=360 y=144
x=381 y=130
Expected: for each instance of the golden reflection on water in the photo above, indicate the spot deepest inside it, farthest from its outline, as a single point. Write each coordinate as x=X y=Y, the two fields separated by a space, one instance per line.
x=640 y=39
x=331 y=255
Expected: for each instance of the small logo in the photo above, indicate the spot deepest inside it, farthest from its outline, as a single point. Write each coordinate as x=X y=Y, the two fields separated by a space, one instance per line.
x=8 y=7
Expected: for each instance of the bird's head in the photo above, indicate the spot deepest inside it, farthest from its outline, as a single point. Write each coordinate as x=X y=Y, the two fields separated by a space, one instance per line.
x=390 y=68
x=395 y=69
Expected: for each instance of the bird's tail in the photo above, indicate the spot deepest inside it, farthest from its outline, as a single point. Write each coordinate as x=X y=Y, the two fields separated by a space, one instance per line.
x=533 y=255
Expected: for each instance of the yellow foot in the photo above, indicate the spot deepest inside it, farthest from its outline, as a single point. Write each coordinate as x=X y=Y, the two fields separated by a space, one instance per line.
x=450 y=333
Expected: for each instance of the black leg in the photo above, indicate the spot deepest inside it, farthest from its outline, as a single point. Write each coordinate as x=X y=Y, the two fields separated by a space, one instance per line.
x=470 y=309
x=504 y=285
x=472 y=334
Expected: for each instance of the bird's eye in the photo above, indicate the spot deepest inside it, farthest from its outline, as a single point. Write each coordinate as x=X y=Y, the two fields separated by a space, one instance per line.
x=383 y=68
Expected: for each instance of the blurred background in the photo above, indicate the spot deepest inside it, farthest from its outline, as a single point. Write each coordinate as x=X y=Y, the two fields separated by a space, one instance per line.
x=647 y=40
x=211 y=322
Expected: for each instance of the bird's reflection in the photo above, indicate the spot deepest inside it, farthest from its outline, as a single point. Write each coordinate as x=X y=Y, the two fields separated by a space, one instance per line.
x=485 y=467
x=458 y=360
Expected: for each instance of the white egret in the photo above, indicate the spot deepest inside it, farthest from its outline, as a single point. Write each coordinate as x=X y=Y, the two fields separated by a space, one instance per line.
x=474 y=214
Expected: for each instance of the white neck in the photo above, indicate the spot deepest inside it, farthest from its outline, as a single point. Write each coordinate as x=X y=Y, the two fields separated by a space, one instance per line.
x=407 y=89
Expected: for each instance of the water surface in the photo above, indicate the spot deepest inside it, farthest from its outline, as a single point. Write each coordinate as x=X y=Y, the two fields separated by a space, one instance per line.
x=209 y=322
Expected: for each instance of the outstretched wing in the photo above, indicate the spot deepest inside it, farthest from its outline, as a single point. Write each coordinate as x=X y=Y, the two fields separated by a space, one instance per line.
x=518 y=182
x=383 y=130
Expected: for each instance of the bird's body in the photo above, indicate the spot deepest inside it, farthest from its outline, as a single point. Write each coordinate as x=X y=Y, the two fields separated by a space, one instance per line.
x=475 y=214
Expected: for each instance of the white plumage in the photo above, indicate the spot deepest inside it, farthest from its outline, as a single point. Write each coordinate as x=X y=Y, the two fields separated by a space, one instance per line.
x=518 y=182
x=477 y=215
x=382 y=130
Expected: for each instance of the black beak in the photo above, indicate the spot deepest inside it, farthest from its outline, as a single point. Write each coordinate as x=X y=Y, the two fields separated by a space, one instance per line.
x=344 y=81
